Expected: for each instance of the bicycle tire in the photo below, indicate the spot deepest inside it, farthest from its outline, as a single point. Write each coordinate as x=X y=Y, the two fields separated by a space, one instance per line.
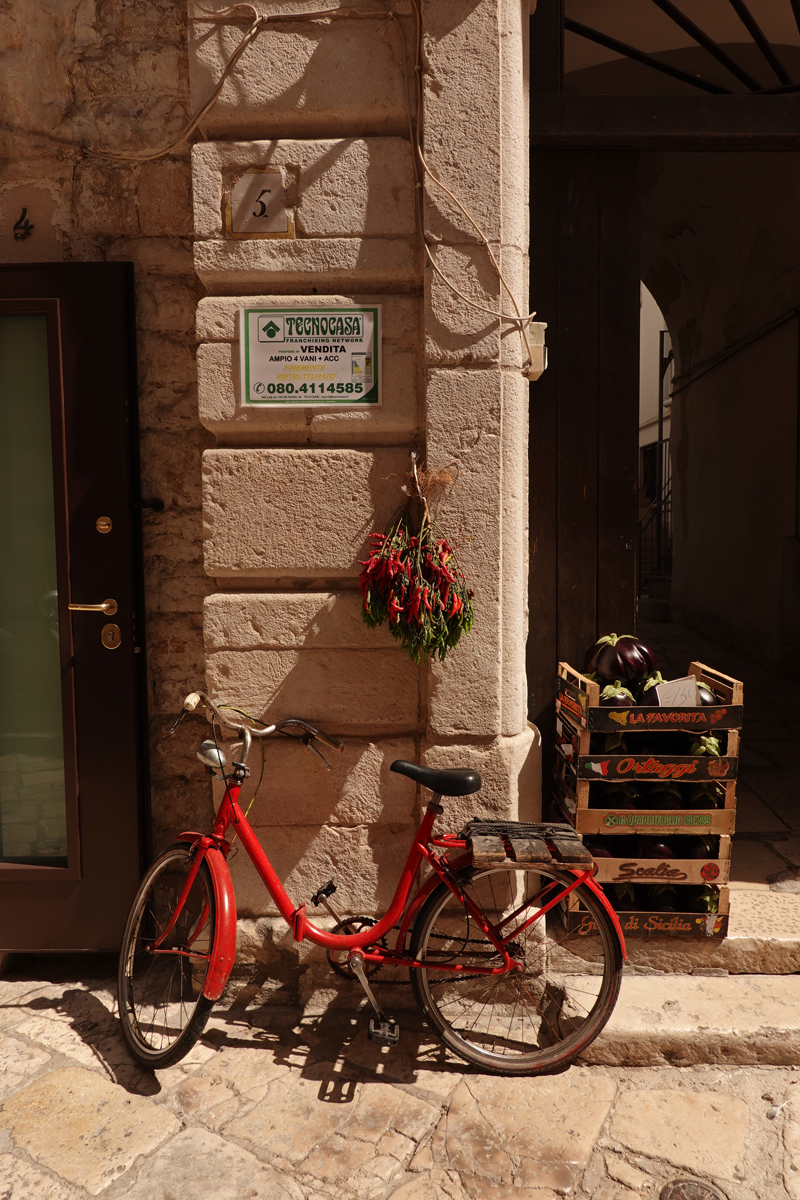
x=162 y=1008
x=529 y=1022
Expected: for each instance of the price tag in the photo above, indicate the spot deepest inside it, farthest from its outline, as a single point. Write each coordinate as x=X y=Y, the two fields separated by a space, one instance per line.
x=678 y=693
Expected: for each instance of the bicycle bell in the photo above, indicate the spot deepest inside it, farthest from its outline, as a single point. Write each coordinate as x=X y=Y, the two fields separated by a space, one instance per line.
x=211 y=756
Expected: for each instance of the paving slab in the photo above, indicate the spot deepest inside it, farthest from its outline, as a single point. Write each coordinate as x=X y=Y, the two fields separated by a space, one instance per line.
x=21 y=1181
x=680 y=1020
x=83 y=1127
x=701 y=1132
x=197 y=1164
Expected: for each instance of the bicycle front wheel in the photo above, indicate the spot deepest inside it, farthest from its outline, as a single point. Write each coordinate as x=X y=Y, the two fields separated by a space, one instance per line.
x=523 y=1022
x=162 y=1008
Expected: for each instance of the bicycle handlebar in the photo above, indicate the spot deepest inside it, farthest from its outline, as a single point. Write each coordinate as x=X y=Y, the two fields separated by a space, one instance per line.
x=194 y=699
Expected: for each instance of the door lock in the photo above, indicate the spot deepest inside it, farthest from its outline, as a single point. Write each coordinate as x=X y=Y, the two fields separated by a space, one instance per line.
x=109 y=607
x=111 y=637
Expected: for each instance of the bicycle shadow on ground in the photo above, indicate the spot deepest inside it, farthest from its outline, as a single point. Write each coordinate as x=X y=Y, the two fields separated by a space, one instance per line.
x=70 y=1009
x=332 y=1047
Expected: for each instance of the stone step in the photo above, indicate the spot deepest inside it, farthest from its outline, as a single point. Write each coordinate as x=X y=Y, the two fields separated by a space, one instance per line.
x=679 y=1020
x=763 y=939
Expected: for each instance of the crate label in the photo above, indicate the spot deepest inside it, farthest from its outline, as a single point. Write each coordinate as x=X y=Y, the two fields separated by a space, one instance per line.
x=670 y=819
x=573 y=700
x=691 y=924
x=632 y=766
x=678 y=693
x=606 y=720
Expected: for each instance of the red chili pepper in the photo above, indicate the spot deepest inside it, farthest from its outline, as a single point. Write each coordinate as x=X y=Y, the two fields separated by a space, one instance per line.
x=456 y=606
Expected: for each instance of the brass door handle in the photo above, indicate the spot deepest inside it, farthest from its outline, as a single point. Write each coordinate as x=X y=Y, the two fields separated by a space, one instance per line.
x=109 y=607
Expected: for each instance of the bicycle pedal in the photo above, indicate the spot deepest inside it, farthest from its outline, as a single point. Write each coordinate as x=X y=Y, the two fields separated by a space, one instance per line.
x=385 y=1033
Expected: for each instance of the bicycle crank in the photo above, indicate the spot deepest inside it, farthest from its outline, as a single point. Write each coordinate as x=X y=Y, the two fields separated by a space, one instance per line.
x=383 y=1031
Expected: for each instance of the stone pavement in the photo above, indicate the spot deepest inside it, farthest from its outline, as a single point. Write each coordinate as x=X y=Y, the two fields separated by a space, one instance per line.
x=274 y=1105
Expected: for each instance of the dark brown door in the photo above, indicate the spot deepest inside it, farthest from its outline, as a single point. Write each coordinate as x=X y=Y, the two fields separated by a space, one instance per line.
x=585 y=270
x=72 y=768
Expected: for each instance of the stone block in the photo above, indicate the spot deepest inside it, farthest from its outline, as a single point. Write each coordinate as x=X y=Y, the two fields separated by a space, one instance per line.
x=218 y=378
x=165 y=198
x=318 y=79
x=463 y=76
x=455 y=332
x=153 y=255
x=220 y=410
x=297 y=791
x=171 y=466
x=105 y=197
x=175 y=643
x=173 y=561
x=217 y=316
x=464 y=429
x=346 y=690
x=365 y=862
x=702 y=1132
x=353 y=187
x=164 y=305
x=339 y=264
x=296 y=513
x=511 y=775
x=164 y=361
x=281 y=621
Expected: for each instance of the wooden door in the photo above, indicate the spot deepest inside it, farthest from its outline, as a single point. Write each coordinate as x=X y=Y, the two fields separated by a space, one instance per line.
x=584 y=411
x=72 y=765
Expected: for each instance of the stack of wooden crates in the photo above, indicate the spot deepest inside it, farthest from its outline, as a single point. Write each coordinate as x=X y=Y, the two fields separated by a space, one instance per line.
x=598 y=747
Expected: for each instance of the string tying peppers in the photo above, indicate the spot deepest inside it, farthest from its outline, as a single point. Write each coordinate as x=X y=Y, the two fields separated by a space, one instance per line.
x=412 y=581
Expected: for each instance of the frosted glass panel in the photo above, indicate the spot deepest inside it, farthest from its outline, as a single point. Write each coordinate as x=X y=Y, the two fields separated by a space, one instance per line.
x=32 y=796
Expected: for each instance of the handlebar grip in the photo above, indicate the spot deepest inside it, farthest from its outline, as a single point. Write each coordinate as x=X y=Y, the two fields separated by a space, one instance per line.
x=191 y=702
x=327 y=740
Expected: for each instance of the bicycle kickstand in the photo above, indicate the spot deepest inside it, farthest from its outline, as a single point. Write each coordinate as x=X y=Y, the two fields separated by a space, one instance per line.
x=382 y=1031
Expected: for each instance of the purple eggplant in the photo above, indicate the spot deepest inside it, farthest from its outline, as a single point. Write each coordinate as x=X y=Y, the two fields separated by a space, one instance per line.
x=654 y=848
x=621 y=657
x=596 y=850
x=705 y=695
x=706 y=795
x=664 y=796
x=616 y=696
x=646 y=689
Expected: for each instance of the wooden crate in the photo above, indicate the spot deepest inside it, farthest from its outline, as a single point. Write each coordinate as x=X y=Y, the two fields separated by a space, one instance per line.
x=572 y=796
x=640 y=869
x=578 y=698
x=654 y=924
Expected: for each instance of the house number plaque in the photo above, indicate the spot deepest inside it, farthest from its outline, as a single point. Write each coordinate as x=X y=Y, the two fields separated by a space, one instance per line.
x=255 y=206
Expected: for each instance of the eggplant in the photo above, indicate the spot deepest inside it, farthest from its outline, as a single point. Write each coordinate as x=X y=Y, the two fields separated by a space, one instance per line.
x=703 y=848
x=705 y=899
x=621 y=657
x=705 y=695
x=664 y=796
x=616 y=696
x=663 y=897
x=646 y=689
x=596 y=850
x=654 y=848
x=706 y=795
x=622 y=897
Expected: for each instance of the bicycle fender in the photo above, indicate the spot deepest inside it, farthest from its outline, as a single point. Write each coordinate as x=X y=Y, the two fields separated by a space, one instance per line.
x=225 y=905
x=606 y=903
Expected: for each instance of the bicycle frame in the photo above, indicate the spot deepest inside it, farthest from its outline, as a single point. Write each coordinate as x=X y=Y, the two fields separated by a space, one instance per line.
x=213 y=848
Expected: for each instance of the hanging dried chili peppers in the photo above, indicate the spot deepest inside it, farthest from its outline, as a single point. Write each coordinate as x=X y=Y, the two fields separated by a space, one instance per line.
x=411 y=580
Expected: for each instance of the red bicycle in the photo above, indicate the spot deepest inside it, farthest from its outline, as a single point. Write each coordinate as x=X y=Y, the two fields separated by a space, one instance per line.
x=491 y=964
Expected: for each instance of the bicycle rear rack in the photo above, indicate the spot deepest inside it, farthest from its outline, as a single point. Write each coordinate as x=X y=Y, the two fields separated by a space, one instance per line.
x=498 y=843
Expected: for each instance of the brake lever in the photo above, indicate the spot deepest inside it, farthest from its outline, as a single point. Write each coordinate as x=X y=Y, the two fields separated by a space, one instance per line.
x=308 y=740
x=184 y=711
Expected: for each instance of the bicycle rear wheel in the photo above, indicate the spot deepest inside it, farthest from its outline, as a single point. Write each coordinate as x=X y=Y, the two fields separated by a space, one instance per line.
x=159 y=990
x=527 y=1021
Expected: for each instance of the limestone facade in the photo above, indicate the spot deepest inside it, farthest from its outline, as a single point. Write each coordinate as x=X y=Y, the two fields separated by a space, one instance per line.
x=251 y=568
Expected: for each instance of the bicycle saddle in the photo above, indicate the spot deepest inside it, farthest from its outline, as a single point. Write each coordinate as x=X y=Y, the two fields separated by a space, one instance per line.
x=446 y=783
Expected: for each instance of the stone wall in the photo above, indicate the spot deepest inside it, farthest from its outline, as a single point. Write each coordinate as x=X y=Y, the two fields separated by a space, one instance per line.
x=265 y=605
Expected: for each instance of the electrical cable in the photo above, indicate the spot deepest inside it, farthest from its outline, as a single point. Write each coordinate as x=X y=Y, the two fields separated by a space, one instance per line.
x=420 y=163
